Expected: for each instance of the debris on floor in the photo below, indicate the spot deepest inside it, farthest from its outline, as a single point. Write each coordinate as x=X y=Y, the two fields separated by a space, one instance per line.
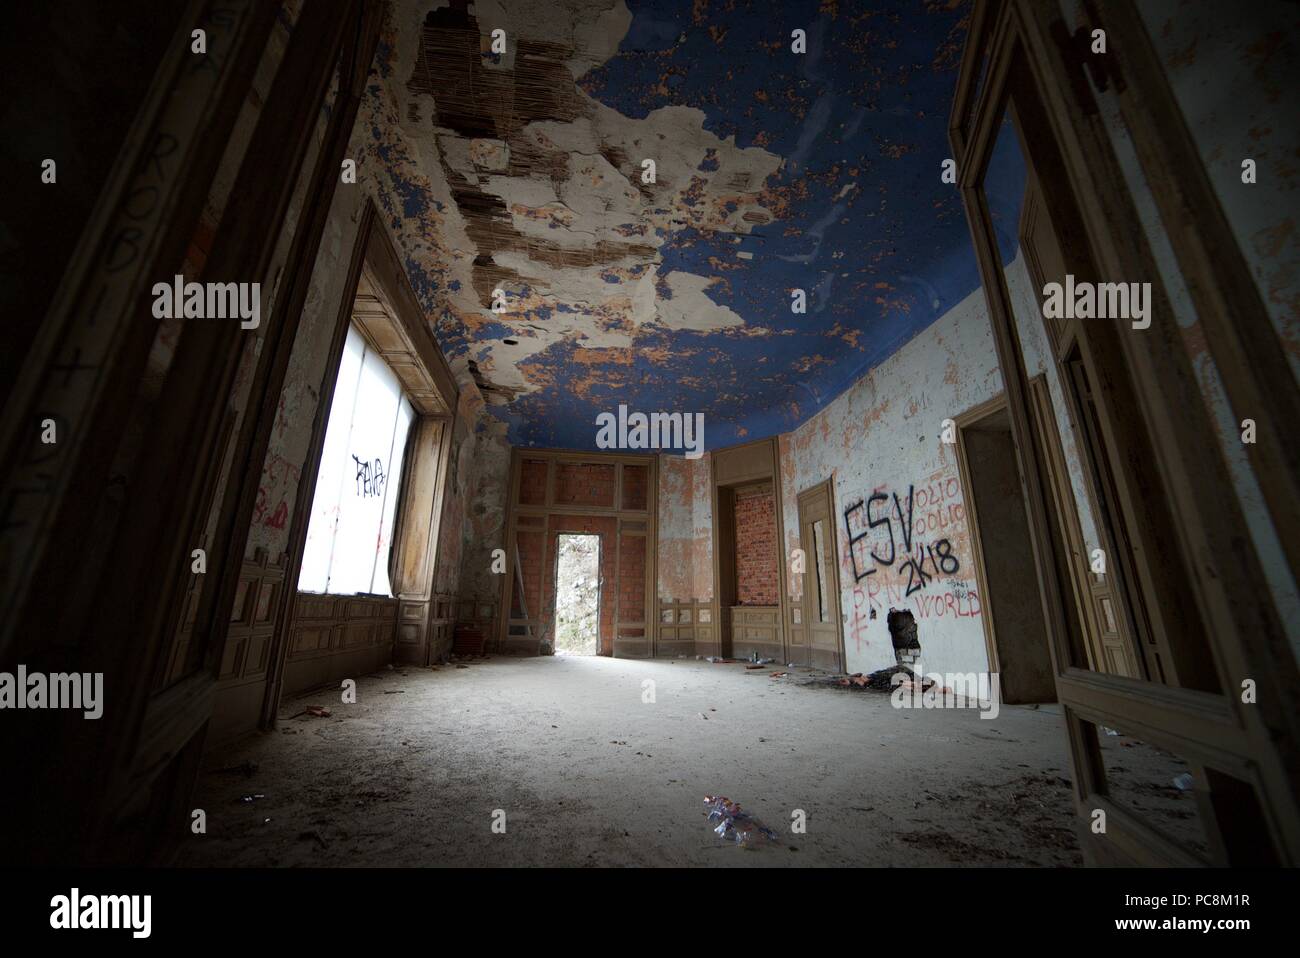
x=736 y=825
x=879 y=681
x=319 y=711
x=250 y=799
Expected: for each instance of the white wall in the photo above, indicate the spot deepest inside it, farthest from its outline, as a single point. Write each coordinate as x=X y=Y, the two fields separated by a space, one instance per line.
x=883 y=435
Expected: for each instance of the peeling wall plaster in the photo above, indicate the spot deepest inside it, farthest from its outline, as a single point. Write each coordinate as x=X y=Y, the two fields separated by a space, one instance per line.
x=387 y=165
x=1237 y=94
x=685 y=529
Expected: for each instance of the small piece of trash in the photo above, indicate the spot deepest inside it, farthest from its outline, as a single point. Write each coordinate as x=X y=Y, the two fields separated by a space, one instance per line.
x=736 y=825
x=1184 y=782
x=778 y=675
x=319 y=711
x=1109 y=731
x=249 y=799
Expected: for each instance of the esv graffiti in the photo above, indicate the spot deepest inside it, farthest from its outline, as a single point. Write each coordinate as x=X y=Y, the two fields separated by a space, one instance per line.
x=871 y=530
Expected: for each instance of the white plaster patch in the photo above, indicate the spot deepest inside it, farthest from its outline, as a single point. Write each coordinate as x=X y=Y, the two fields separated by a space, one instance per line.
x=690 y=306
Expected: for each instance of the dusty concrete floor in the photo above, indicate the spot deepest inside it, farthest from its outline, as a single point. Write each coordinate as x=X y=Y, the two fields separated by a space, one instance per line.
x=587 y=774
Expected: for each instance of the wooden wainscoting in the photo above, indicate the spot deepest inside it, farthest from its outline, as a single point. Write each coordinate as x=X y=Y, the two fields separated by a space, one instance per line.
x=686 y=627
x=244 y=661
x=756 y=628
x=424 y=629
x=335 y=637
x=481 y=613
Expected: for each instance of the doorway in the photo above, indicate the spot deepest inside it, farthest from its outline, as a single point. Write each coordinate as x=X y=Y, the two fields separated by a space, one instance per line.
x=815 y=635
x=577 y=594
x=1013 y=620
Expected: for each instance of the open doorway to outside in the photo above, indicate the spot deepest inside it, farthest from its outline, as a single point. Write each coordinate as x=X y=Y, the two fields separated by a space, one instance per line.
x=577 y=594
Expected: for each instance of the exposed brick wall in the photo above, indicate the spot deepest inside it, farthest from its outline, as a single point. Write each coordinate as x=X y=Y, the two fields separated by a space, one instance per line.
x=634 y=487
x=532 y=568
x=584 y=484
x=756 y=553
x=532 y=482
x=631 y=578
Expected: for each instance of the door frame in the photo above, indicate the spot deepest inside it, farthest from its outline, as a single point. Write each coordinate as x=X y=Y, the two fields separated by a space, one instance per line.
x=536 y=517
x=1255 y=744
x=828 y=486
x=731 y=467
x=962 y=422
x=600 y=581
x=1043 y=419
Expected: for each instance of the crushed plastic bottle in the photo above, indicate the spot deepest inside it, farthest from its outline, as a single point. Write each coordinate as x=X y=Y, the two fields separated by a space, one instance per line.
x=736 y=825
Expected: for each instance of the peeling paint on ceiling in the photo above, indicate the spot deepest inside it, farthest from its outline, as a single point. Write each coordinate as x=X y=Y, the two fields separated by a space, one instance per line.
x=522 y=175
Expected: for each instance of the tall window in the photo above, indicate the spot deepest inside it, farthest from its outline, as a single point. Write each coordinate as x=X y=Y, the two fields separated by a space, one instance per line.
x=351 y=527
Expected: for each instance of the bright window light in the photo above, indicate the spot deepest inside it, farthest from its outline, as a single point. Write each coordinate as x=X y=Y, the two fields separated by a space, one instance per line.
x=351 y=528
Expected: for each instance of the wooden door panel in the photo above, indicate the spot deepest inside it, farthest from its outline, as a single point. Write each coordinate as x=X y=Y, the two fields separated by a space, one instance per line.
x=819 y=604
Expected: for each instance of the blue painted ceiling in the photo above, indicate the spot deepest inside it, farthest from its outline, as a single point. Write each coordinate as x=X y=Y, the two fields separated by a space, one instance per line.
x=858 y=217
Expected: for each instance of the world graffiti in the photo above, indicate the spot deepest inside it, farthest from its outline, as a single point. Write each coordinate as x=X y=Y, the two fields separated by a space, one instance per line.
x=881 y=531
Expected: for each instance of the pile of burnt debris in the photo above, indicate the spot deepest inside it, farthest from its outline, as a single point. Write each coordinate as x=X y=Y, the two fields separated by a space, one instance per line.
x=882 y=680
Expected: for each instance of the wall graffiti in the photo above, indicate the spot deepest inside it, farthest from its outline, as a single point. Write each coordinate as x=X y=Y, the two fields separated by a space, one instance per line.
x=370 y=477
x=872 y=525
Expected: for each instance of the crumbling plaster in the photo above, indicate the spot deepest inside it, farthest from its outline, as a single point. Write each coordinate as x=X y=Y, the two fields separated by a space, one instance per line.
x=522 y=173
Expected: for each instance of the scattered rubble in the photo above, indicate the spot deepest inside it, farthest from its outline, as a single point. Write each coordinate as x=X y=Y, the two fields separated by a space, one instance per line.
x=318 y=711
